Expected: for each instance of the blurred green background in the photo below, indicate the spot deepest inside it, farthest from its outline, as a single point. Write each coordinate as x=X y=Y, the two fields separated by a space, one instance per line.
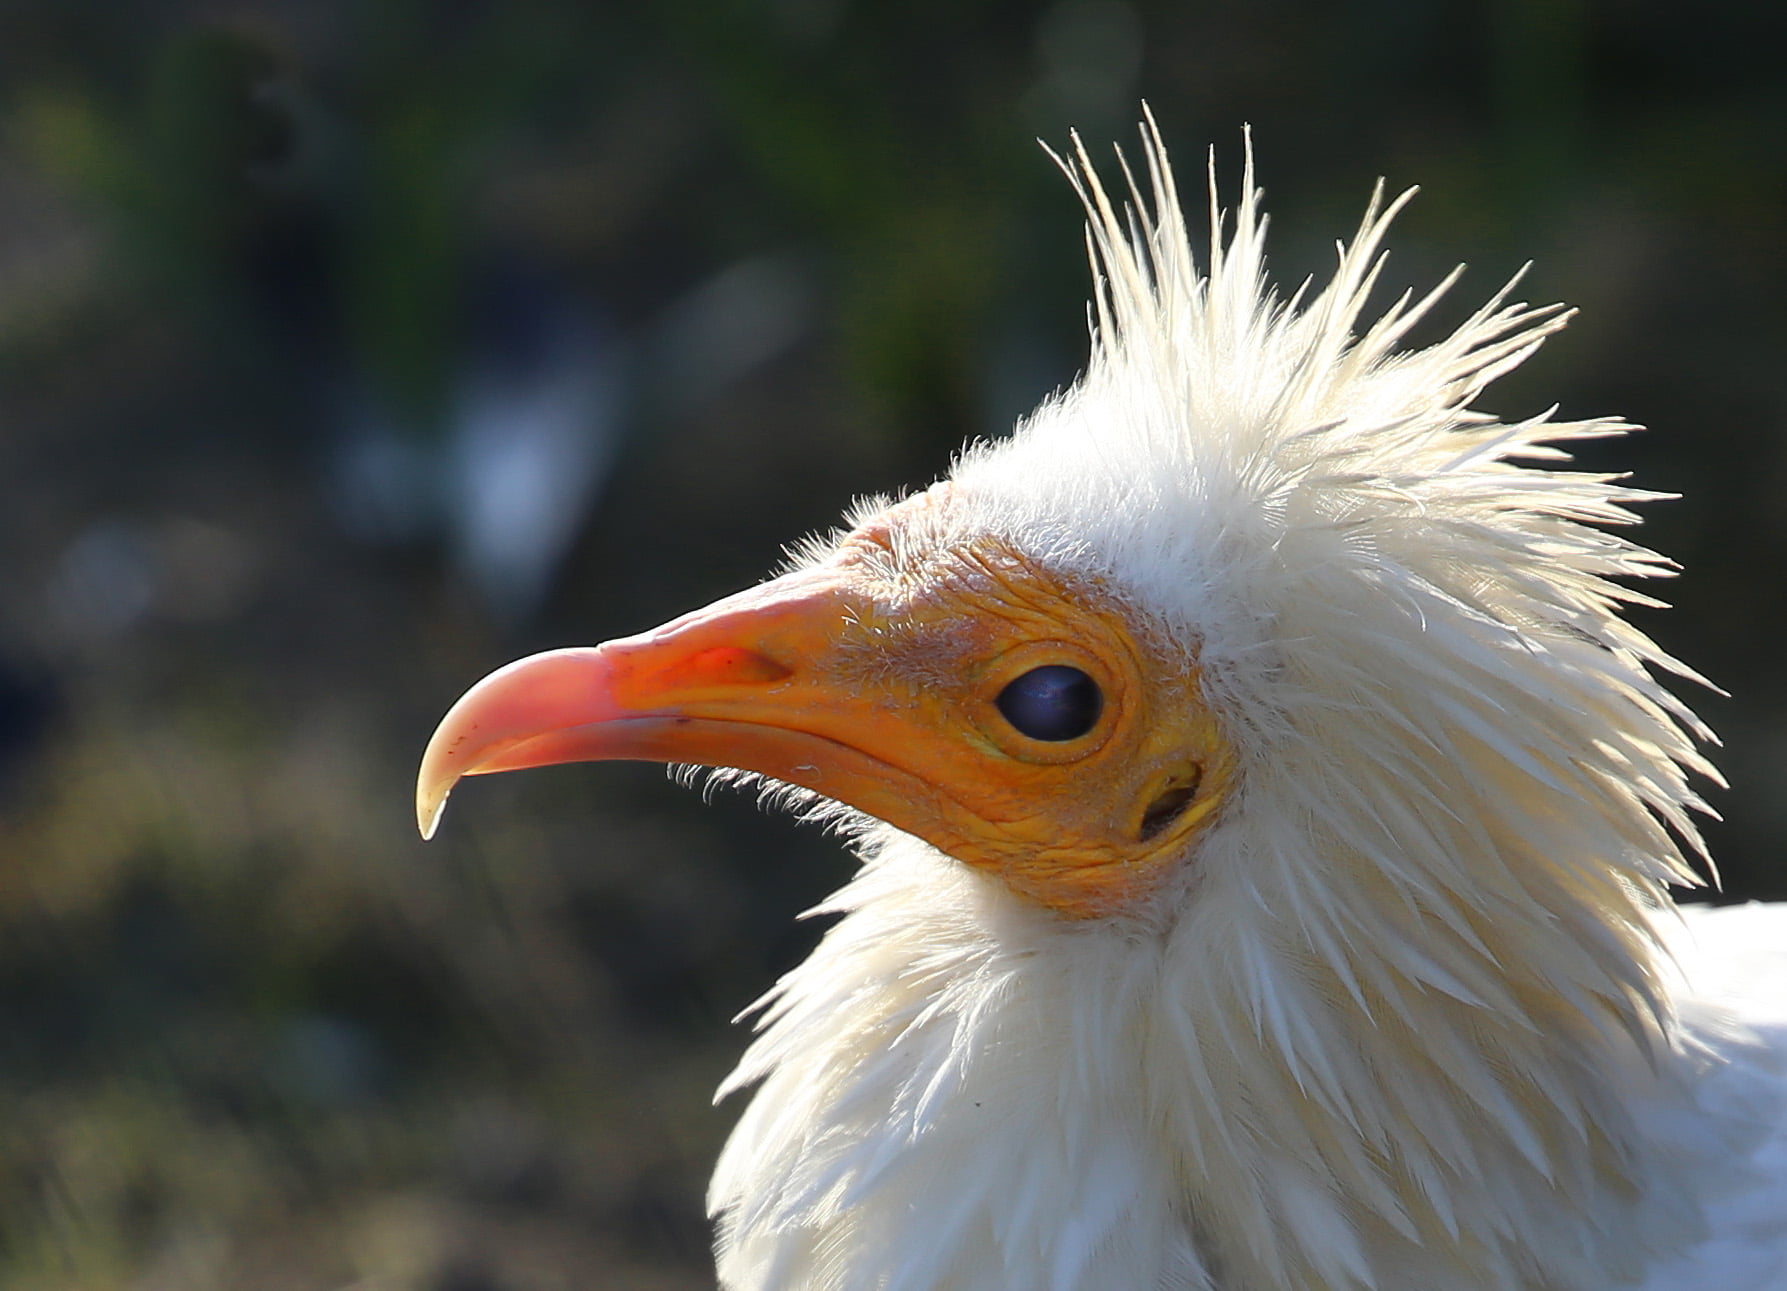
x=350 y=350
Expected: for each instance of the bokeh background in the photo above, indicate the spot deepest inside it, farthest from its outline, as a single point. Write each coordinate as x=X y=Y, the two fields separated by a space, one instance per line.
x=348 y=350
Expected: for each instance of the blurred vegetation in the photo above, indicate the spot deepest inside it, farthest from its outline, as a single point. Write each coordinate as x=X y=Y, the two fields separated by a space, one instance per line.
x=349 y=350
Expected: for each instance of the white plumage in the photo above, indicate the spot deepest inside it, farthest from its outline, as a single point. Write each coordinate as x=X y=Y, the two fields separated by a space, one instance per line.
x=1399 y=1009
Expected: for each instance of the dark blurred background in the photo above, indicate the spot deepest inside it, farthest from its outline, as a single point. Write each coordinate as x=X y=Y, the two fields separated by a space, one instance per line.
x=350 y=350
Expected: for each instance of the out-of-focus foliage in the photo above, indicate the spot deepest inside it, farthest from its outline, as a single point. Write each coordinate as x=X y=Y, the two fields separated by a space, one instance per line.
x=349 y=350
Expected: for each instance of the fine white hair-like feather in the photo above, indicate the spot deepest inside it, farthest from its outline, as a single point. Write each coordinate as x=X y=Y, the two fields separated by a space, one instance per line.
x=1405 y=1018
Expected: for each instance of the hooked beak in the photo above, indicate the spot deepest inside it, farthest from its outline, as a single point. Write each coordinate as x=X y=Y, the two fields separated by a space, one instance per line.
x=742 y=683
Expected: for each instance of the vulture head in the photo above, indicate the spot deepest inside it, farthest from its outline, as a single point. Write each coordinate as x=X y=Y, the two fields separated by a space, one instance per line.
x=1265 y=817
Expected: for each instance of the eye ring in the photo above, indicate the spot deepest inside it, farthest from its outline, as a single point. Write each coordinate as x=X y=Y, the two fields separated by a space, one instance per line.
x=1054 y=703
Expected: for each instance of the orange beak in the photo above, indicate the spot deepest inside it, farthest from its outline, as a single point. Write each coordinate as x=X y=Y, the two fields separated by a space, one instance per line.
x=742 y=683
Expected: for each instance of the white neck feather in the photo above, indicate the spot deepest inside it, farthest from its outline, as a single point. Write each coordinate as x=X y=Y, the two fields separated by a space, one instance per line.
x=958 y=1091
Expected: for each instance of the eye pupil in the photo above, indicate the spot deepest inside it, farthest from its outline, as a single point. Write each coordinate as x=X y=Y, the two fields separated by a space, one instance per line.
x=1054 y=702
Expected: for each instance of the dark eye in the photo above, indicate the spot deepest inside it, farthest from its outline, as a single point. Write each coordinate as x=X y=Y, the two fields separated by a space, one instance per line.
x=1054 y=702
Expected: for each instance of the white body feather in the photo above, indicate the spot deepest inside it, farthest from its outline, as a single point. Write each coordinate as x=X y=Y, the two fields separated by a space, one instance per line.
x=1405 y=1021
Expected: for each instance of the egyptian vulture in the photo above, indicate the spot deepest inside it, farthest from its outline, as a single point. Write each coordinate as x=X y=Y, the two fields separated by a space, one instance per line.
x=1266 y=822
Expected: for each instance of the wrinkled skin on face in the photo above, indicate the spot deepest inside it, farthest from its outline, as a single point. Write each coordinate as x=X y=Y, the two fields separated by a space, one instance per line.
x=874 y=677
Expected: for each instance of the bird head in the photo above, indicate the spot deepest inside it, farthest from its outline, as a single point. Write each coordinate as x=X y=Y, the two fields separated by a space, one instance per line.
x=1256 y=571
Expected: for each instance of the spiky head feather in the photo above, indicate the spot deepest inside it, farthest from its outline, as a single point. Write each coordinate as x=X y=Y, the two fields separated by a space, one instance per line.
x=1391 y=1025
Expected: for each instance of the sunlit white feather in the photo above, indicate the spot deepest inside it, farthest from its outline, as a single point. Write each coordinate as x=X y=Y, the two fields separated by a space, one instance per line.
x=1406 y=1019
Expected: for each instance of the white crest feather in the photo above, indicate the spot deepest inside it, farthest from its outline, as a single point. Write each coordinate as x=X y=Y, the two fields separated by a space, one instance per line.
x=1400 y=1023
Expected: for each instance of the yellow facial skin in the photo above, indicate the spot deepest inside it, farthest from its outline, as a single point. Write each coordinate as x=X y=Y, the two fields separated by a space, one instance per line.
x=872 y=678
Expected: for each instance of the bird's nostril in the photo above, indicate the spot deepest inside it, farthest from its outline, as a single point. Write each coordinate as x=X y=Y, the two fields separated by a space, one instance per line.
x=1169 y=804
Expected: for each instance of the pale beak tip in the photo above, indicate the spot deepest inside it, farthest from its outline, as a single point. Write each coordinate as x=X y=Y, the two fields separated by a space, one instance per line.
x=431 y=801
